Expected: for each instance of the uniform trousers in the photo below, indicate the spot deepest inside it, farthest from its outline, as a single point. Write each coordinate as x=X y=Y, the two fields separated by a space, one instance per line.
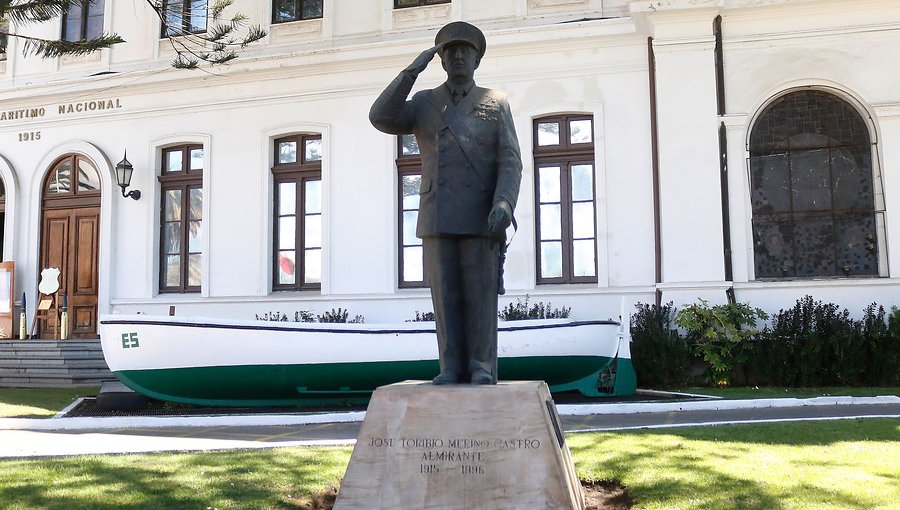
x=462 y=272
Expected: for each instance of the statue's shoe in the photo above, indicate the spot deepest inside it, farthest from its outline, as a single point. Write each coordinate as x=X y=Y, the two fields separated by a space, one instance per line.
x=482 y=376
x=446 y=378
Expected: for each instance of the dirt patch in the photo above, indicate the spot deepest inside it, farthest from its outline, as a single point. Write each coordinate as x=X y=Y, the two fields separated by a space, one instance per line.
x=598 y=495
x=606 y=495
x=321 y=500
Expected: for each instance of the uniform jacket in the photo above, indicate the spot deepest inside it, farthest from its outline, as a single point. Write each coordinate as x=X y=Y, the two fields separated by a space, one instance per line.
x=470 y=153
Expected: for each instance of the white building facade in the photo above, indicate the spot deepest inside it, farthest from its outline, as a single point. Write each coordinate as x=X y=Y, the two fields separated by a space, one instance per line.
x=672 y=150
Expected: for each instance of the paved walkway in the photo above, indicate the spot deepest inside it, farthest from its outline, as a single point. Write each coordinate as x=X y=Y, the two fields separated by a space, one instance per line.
x=77 y=436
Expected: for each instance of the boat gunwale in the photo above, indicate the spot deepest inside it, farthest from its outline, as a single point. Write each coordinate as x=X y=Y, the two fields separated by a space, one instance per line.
x=290 y=327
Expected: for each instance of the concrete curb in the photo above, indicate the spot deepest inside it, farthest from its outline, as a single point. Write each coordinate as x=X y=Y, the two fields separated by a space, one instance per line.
x=719 y=405
x=157 y=422
x=663 y=426
x=110 y=423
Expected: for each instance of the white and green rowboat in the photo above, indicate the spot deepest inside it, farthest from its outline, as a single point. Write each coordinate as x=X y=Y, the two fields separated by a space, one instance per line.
x=245 y=363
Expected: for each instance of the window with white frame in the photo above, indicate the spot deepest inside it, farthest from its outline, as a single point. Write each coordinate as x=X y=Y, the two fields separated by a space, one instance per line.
x=83 y=20
x=297 y=249
x=565 y=211
x=184 y=17
x=4 y=38
x=181 y=219
x=409 y=181
x=284 y=11
x=400 y=4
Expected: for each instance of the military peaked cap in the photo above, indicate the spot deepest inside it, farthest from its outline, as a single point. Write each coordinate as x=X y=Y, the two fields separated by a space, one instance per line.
x=460 y=31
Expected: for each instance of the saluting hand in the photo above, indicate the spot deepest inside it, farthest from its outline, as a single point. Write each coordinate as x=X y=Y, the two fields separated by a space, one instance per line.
x=500 y=217
x=421 y=62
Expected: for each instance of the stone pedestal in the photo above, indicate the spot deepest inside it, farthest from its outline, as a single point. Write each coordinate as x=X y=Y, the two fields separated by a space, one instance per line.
x=461 y=447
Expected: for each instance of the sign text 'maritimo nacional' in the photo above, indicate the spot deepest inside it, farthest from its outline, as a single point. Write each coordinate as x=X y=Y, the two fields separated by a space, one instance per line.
x=91 y=106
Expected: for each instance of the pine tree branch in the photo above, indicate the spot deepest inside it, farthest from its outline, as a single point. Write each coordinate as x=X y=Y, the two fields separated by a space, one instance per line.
x=50 y=48
x=254 y=33
x=214 y=46
x=219 y=38
x=220 y=6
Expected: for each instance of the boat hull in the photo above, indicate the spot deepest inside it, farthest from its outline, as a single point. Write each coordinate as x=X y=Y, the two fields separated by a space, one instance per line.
x=216 y=362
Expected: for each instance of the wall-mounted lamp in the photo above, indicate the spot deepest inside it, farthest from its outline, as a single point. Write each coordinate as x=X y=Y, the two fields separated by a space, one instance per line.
x=123 y=177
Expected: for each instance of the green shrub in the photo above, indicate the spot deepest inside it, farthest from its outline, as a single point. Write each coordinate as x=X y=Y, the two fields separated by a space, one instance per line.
x=816 y=344
x=872 y=330
x=891 y=356
x=720 y=335
x=881 y=337
x=660 y=355
x=521 y=311
x=341 y=316
x=423 y=317
x=272 y=316
x=304 y=316
x=338 y=315
x=773 y=357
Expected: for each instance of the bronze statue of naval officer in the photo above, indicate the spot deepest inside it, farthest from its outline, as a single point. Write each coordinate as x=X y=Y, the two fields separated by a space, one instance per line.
x=471 y=171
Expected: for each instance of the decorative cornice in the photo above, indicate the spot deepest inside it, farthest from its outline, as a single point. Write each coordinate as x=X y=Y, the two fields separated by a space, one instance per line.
x=887 y=110
x=331 y=58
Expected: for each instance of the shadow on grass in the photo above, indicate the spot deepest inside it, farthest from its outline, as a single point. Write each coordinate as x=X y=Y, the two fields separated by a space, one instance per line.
x=716 y=468
x=706 y=487
x=237 y=479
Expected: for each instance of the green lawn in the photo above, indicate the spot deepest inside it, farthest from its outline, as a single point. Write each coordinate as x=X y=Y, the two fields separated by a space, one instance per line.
x=39 y=402
x=845 y=464
x=276 y=478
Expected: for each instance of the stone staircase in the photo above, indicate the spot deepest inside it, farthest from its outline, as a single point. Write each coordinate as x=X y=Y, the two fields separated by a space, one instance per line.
x=52 y=363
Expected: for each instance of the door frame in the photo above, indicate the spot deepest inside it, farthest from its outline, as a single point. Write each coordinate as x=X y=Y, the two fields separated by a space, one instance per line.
x=71 y=264
x=105 y=265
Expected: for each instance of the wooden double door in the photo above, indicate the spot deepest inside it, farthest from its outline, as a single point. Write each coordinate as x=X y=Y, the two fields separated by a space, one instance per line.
x=70 y=240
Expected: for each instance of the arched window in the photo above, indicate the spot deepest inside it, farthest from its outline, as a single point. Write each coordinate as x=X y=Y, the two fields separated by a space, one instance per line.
x=812 y=189
x=71 y=181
